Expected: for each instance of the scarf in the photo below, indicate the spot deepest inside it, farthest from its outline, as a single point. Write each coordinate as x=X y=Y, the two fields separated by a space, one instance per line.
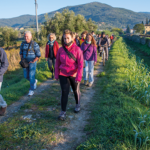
x=68 y=44
x=51 y=42
x=88 y=42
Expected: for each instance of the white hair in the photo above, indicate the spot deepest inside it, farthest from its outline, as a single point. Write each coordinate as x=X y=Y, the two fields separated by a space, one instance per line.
x=50 y=35
x=27 y=32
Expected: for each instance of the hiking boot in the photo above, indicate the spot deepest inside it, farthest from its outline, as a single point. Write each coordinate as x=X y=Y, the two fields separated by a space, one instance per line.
x=62 y=115
x=90 y=84
x=85 y=82
x=31 y=93
x=2 y=111
x=35 y=84
x=77 y=108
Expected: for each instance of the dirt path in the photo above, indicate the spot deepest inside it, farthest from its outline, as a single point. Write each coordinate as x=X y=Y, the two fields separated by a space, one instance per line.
x=14 y=108
x=75 y=124
x=75 y=134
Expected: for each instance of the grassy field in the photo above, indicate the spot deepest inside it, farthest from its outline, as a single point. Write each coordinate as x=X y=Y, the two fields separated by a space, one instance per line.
x=15 y=85
x=120 y=116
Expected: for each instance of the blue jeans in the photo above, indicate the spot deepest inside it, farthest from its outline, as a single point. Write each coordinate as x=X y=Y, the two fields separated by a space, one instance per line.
x=88 y=71
x=29 y=74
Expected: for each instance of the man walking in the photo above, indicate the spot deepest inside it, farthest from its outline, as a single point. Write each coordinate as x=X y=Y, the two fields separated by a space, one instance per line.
x=30 y=51
x=3 y=67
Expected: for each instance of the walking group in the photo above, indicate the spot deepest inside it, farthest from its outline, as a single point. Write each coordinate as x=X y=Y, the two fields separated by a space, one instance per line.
x=69 y=64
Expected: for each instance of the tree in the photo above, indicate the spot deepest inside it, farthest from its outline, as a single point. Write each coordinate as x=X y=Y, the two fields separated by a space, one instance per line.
x=9 y=36
x=66 y=20
x=142 y=22
x=128 y=29
x=146 y=20
x=120 y=31
x=139 y=28
x=149 y=21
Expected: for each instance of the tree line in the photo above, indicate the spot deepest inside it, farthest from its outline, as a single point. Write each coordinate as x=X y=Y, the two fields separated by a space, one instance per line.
x=57 y=24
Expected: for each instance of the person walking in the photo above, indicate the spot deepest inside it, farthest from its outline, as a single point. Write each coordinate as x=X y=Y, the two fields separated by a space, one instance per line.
x=89 y=49
x=94 y=35
x=104 y=42
x=77 y=40
x=99 y=36
x=68 y=69
x=51 y=50
x=83 y=37
x=111 y=38
x=3 y=67
x=30 y=52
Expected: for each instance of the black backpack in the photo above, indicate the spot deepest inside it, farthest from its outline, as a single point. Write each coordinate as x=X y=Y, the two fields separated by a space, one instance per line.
x=24 y=63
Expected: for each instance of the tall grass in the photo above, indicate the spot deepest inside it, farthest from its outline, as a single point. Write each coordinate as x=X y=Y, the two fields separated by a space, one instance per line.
x=120 y=113
x=13 y=57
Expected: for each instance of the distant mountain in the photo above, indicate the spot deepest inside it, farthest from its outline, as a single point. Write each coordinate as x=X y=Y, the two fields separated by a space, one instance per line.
x=99 y=12
x=145 y=12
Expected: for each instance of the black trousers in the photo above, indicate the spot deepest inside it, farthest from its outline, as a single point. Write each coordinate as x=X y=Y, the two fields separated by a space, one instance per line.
x=65 y=83
x=51 y=62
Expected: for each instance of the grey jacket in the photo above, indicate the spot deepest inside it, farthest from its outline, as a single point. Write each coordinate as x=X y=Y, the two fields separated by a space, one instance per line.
x=4 y=63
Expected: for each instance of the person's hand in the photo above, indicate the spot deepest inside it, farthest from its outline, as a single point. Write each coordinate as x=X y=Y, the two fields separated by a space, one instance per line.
x=46 y=59
x=31 y=62
x=77 y=82
x=94 y=63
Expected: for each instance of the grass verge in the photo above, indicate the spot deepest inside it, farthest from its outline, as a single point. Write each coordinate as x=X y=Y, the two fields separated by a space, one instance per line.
x=142 y=51
x=15 y=85
x=119 y=118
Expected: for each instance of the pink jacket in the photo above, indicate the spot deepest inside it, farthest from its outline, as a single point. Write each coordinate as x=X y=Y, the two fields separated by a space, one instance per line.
x=68 y=67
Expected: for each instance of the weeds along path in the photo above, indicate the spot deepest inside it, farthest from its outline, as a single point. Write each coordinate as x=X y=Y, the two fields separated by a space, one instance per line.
x=12 y=109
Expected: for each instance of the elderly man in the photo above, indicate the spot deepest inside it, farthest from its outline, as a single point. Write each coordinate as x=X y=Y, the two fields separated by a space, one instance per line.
x=3 y=67
x=30 y=51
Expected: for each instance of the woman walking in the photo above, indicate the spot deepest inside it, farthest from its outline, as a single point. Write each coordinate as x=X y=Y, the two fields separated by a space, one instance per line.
x=68 y=69
x=51 y=52
x=89 y=49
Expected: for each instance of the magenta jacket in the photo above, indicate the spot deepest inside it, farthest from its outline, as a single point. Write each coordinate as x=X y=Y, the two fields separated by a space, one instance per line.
x=68 y=67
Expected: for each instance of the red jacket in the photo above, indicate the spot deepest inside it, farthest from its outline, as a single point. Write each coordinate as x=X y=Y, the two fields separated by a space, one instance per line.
x=111 y=37
x=55 y=49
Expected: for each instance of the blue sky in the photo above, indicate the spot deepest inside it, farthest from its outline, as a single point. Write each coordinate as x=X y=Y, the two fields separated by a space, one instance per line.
x=14 y=8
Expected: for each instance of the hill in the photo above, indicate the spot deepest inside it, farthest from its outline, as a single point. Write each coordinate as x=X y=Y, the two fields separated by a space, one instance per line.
x=145 y=12
x=99 y=12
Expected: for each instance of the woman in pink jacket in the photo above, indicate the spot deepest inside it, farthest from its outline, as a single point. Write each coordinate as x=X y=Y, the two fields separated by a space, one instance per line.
x=68 y=69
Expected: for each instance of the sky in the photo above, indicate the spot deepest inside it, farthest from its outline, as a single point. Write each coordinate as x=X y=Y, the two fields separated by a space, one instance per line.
x=15 y=8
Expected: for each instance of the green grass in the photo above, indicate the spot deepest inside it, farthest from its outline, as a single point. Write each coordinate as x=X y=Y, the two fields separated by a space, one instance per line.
x=142 y=51
x=119 y=120
x=40 y=132
x=15 y=85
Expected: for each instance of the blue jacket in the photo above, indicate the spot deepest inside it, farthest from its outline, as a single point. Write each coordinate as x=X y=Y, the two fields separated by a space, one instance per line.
x=4 y=63
x=32 y=54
